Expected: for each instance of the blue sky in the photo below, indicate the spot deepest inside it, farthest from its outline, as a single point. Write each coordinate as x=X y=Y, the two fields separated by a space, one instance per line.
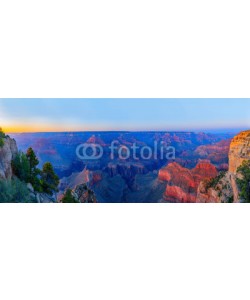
x=123 y=114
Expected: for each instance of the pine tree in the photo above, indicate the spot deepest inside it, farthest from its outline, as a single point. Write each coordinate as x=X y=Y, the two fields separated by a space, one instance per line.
x=21 y=167
x=33 y=163
x=68 y=197
x=49 y=179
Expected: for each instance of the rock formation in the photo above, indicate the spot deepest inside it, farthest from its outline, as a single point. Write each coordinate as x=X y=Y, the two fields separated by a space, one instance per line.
x=96 y=140
x=7 y=153
x=217 y=153
x=183 y=183
x=221 y=190
x=224 y=187
x=239 y=150
x=74 y=179
x=83 y=194
x=125 y=169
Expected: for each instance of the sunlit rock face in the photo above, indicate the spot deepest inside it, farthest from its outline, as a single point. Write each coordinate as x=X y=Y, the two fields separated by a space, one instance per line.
x=7 y=152
x=226 y=189
x=177 y=194
x=183 y=183
x=239 y=150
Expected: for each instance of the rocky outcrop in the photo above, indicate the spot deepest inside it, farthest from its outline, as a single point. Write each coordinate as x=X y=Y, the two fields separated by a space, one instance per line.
x=41 y=197
x=7 y=152
x=205 y=195
x=221 y=190
x=96 y=140
x=176 y=175
x=239 y=150
x=203 y=170
x=45 y=198
x=217 y=153
x=83 y=194
x=75 y=179
x=177 y=194
x=125 y=169
x=183 y=183
x=224 y=188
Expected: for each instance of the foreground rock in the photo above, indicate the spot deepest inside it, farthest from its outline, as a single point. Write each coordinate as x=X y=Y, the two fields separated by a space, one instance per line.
x=218 y=190
x=41 y=197
x=80 y=194
x=7 y=152
x=83 y=194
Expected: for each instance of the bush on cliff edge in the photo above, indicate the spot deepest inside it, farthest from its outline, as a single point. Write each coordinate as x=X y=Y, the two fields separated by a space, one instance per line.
x=24 y=167
x=2 y=136
x=243 y=180
x=14 y=191
x=68 y=197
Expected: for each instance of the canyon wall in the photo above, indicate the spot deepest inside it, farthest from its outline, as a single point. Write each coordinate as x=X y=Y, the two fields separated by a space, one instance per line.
x=239 y=150
x=225 y=188
x=7 y=153
x=203 y=184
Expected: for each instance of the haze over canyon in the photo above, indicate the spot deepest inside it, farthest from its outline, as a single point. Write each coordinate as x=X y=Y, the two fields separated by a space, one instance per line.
x=199 y=157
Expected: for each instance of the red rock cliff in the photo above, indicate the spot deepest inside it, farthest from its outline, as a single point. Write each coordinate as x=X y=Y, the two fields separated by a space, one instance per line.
x=183 y=183
x=239 y=150
x=226 y=189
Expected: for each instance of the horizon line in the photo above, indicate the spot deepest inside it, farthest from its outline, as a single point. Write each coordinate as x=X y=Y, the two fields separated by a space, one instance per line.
x=137 y=130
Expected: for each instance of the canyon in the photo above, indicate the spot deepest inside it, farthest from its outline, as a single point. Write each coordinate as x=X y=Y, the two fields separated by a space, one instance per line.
x=13 y=188
x=200 y=159
x=204 y=184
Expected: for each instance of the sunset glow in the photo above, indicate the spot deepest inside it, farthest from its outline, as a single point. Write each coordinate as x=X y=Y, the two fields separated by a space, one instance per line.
x=54 y=115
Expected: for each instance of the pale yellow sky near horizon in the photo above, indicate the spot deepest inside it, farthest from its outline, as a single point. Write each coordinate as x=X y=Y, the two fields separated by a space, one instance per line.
x=37 y=115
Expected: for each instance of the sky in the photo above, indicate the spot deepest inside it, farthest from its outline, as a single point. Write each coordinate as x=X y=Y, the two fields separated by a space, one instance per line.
x=38 y=115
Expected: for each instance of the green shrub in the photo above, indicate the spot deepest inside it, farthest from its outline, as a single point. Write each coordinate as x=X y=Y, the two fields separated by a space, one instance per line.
x=24 y=166
x=211 y=183
x=21 y=167
x=2 y=136
x=14 y=191
x=68 y=197
x=244 y=180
